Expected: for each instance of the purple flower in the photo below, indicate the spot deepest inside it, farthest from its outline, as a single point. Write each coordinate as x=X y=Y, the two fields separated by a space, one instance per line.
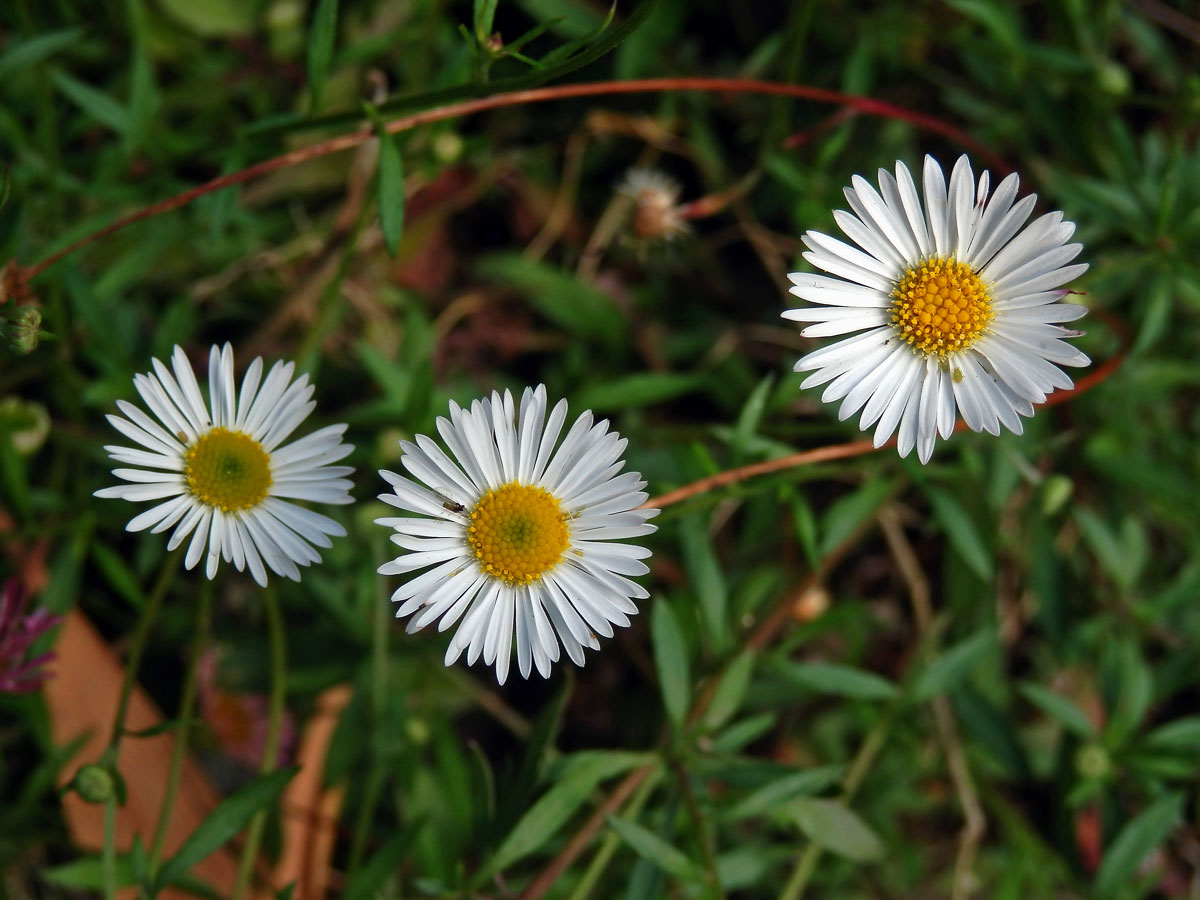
x=17 y=633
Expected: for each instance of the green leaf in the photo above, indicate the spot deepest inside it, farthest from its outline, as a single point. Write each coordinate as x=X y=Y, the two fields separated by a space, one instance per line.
x=366 y=882
x=838 y=680
x=952 y=666
x=833 y=825
x=117 y=573
x=485 y=14
x=88 y=873
x=961 y=532
x=97 y=104
x=671 y=660
x=654 y=849
x=1133 y=843
x=578 y=308
x=772 y=797
x=707 y=580
x=579 y=776
x=1182 y=734
x=1058 y=707
x=730 y=691
x=391 y=183
x=212 y=18
x=847 y=513
x=322 y=35
x=224 y=822
x=638 y=389
x=751 y=415
x=22 y=55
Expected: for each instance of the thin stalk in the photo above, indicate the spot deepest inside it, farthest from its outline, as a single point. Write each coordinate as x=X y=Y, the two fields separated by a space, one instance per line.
x=376 y=777
x=806 y=865
x=611 y=844
x=140 y=635
x=108 y=855
x=703 y=835
x=271 y=750
x=187 y=706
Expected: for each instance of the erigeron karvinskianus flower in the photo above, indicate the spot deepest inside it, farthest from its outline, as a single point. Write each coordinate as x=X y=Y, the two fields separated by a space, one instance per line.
x=223 y=470
x=517 y=539
x=957 y=306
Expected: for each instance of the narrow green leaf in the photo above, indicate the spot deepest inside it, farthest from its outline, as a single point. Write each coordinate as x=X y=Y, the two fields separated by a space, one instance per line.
x=87 y=873
x=366 y=882
x=546 y=817
x=772 y=797
x=751 y=415
x=847 y=513
x=485 y=14
x=322 y=35
x=1058 y=707
x=1134 y=843
x=97 y=104
x=224 y=822
x=391 y=183
x=638 y=389
x=833 y=825
x=707 y=580
x=839 y=680
x=117 y=573
x=1181 y=734
x=961 y=532
x=671 y=660
x=953 y=665
x=654 y=849
x=731 y=690
x=22 y=55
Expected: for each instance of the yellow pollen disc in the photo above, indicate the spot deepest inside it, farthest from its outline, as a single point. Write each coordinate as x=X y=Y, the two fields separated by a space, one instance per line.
x=517 y=532
x=227 y=469
x=940 y=306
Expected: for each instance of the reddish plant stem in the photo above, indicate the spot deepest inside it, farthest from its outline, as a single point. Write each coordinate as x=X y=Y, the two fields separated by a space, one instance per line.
x=868 y=105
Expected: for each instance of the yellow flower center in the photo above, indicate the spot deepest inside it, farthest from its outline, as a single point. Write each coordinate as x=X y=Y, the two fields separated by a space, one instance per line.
x=940 y=306
x=517 y=532
x=227 y=469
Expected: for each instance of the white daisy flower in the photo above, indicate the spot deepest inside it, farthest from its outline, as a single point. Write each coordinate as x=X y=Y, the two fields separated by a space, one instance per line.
x=957 y=306
x=516 y=538
x=223 y=470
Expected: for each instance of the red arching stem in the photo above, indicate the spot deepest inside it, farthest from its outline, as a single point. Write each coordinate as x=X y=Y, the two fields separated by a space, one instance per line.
x=868 y=105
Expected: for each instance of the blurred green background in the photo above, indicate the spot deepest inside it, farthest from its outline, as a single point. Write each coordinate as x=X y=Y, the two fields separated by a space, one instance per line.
x=1051 y=701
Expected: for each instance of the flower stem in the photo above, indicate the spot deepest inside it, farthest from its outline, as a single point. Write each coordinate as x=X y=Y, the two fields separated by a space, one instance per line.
x=108 y=855
x=376 y=777
x=187 y=707
x=140 y=635
x=274 y=723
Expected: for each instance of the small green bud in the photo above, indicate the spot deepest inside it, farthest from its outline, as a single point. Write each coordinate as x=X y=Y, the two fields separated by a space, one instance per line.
x=95 y=784
x=23 y=328
x=1092 y=762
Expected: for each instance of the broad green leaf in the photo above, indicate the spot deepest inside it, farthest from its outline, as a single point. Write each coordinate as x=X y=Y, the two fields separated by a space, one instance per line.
x=707 y=580
x=97 y=104
x=224 y=822
x=212 y=18
x=1134 y=842
x=671 y=660
x=730 y=691
x=652 y=848
x=961 y=532
x=833 y=825
x=772 y=797
x=391 y=183
x=838 y=680
x=1059 y=708
x=322 y=35
x=546 y=817
x=953 y=665
x=21 y=55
